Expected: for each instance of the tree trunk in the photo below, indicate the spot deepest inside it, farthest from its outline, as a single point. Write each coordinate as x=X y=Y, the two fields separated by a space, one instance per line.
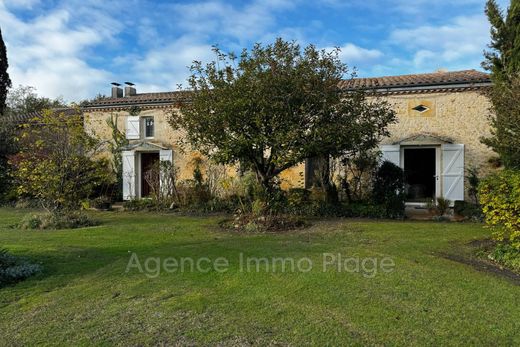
x=331 y=192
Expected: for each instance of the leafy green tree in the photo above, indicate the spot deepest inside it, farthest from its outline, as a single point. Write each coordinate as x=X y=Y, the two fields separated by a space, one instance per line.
x=503 y=60
x=56 y=163
x=22 y=103
x=116 y=145
x=24 y=100
x=275 y=106
x=5 y=81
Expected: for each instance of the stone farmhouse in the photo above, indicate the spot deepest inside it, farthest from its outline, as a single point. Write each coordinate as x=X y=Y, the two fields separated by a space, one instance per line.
x=441 y=118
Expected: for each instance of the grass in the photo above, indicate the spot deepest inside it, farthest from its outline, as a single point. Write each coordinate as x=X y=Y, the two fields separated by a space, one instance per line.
x=84 y=296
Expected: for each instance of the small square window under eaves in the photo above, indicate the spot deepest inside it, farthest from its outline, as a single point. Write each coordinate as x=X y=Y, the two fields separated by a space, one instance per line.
x=421 y=108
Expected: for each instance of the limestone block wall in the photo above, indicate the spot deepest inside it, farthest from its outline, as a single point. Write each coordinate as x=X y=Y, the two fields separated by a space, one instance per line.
x=458 y=116
x=96 y=123
x=461 y=117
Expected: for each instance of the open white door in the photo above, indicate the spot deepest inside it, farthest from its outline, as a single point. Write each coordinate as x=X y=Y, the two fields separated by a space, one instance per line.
x=391 y=153
x=129 y=176
x=453 y=171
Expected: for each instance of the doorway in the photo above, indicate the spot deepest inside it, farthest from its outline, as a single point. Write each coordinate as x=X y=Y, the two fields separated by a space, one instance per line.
x=420 y=171
x=149 y=173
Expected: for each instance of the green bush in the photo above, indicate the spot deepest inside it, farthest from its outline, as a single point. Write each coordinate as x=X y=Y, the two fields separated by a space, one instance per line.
x=298 y=197
x=102 y=203
x=365 y=210
x=226 y=205
x=506 y=255
x=14 y=269
x=500 y=199
x=140 y=205
x=61 y=220
x=440 y=206
x=468 y=210
x=388 y=190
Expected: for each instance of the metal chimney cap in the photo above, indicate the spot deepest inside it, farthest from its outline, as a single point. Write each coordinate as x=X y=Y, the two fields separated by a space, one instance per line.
x=115 y=84
x=129 y=84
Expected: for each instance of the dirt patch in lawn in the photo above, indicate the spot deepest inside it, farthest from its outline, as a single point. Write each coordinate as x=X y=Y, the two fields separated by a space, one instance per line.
x=264 y=224
x=483 y=265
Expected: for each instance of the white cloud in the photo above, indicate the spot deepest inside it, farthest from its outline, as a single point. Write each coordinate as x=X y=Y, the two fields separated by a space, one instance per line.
x=164 y=68
x=49 y=51
x=54 y=52
x=76 y=47
x=359 y=60
x=461 y=41
x=243 y=23
x=352 y=54
x=20 y=3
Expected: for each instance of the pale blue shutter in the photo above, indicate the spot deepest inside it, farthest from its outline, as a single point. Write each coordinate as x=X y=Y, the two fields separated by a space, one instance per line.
x=453 y=171
x=391 y=153
x=133 y=131
x=129 y=175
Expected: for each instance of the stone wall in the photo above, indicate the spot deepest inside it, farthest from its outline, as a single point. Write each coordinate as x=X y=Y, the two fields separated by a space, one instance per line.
x=459 y=116
x=96 y=123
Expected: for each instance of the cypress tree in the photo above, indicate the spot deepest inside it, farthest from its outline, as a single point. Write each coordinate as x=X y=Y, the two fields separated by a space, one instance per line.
x=5 y=81
x=503 y=61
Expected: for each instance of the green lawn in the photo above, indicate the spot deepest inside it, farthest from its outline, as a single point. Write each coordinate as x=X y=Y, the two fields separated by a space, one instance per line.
x=84 y=296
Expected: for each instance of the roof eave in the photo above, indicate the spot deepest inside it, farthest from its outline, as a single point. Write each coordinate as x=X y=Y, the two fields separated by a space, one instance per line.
x=424 y=87
x=130 y=104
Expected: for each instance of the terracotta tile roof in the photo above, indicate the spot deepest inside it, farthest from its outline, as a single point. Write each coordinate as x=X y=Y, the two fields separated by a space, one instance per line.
x=454 y=81
x=143 y=99
x=428 y=81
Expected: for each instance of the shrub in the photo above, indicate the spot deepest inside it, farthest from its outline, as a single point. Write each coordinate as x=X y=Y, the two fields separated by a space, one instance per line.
x=13 y=269
x=468 y=210
x=298 y=197
x=27 y=203
x=266 y=223
x=57 y=163
x=359 y=169
x=365 y=210
x=473 y=179
x=443 y=205
x=140 y=205
x=500 y=199
x=388 y=189
x=440 y=206
x=507 y=255
x=258 y=208
x=102 y=203
x=62 y=220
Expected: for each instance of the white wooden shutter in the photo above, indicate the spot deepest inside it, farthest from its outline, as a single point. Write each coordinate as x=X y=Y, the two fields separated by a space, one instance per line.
x=391 y=153
x=133 y=128
x=129 y=176
x=453 y=171
x=165 y=155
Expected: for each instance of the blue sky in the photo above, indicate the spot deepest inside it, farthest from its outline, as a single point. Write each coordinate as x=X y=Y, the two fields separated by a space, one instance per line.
x=75 y=48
